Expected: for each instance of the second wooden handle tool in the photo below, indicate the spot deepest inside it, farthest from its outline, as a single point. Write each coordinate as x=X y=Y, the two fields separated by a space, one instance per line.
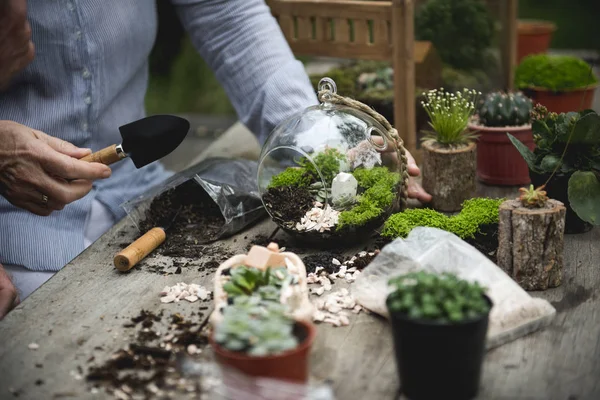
x=136 y=251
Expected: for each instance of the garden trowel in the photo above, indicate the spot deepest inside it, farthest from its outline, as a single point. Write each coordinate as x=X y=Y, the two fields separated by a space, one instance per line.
x=144 y=141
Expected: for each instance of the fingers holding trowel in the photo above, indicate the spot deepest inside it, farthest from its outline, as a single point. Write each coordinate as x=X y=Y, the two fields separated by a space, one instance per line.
x=144 y=141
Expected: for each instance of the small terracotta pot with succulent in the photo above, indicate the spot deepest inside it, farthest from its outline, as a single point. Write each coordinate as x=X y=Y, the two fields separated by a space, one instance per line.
x=498 y=162
x=531 y=239
x=449 y=150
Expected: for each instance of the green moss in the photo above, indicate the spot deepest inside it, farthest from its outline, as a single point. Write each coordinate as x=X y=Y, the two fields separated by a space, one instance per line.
x=400 y=224
x=327 y=162
x=553 y=72
x=379 y=195
x=475 y=213
x=291 y=177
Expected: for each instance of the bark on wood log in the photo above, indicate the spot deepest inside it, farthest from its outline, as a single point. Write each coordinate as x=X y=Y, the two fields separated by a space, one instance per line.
x=531 y=242
x=449 y=175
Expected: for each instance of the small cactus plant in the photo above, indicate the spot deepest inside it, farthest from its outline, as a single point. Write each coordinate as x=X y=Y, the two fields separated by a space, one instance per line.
x=533 y=197
x=501 y=109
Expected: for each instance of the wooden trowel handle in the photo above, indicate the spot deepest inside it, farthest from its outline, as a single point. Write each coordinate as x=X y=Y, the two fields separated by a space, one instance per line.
x=107 y=156
x=139 y=249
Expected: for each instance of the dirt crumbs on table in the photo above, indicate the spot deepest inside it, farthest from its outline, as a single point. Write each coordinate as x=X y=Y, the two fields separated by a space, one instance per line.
x=191 y=216
x=149 y=366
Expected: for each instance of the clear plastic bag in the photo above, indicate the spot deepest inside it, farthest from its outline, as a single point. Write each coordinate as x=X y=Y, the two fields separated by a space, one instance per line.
x=220 y=383
x=230 y=183
x=514 y=314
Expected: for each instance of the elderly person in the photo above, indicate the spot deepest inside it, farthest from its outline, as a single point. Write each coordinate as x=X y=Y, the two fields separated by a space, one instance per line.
x=71 y=73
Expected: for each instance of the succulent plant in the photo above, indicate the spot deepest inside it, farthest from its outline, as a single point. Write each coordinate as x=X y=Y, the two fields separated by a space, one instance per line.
x=256 y=327
x=502 y=109
x=320 y=193
x=438 y=297
x=248 y=280
x=344 y=202
x=533 y=197
x=568 y=144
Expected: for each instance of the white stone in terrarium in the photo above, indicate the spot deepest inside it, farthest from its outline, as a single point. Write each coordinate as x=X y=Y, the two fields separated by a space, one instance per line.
x=363 y=155
x=344 y=186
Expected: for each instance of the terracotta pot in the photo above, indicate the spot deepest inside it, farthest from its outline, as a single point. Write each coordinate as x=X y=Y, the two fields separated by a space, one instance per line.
x=565 y=101
x=533 y=37
x=449 y=175
x=291 y=365
x=498 y=161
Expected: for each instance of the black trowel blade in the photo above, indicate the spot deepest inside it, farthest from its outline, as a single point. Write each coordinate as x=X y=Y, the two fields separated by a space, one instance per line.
x=151 y=138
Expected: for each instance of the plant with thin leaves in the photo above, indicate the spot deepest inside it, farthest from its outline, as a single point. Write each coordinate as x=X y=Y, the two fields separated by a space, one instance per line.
x=533 y=197
x=568 y=144
x=449 y=114
x=443 y=298
x=256 y=327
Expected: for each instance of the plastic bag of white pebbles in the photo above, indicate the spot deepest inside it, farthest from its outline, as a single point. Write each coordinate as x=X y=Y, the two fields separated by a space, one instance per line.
x=514 y=314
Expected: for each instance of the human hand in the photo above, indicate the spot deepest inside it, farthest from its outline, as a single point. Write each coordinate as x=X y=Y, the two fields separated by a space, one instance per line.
x=41 y=173
x=16 y=47
x=9 y=298
x=415 y=190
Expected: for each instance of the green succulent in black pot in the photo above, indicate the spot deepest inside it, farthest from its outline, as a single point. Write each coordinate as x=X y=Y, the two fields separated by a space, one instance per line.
x=439 y=323
x=566 y=159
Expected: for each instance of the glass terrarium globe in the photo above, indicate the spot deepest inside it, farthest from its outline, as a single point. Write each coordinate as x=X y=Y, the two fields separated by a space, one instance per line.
x=329 y=173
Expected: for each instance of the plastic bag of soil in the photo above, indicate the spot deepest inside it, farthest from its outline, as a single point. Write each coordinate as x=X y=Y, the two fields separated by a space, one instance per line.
x=514 y=314
x=209 y=201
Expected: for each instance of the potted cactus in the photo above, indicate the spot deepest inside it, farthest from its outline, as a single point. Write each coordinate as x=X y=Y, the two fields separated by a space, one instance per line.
x=561 y=83
x=449 y=150
x=531 y=239
x=258 y=337
x=498 y=162
x=566 y=160
x=439 y=323
x=534 y=37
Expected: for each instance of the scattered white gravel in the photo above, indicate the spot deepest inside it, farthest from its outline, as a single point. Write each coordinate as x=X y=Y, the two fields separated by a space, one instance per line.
x=318 y=219
x=182 y=291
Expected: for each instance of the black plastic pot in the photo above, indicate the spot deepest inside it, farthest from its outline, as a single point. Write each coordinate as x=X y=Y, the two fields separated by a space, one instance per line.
x=439 y=361
x=558 y=189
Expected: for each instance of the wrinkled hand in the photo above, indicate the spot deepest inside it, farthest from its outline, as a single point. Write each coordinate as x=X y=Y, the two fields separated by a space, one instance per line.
x=16 y=47
x=34 y=165
x=415 y=190
x=9 y=298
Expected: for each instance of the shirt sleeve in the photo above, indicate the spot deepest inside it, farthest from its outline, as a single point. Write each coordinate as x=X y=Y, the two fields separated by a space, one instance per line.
x=244 y=46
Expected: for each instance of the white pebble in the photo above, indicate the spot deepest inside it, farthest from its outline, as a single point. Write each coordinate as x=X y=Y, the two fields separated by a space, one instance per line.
x=335 y=261
x=33 y=346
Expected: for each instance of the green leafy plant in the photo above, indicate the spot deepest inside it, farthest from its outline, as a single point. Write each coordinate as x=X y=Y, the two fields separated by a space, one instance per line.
x=553 y=72
x=443 y=298
x=500 y=109
x=255 y=327
x=291 y=176
x=568 y=144
x=244 y=281
x=460 y=30
x=380 y=184
x=326 y=162
x=475 y=213
x=449 y=115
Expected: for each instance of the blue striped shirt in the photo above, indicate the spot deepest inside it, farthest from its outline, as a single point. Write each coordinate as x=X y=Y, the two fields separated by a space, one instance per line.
x=89 y=77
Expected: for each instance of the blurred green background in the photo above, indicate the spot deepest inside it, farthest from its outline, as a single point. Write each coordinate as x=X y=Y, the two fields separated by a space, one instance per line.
x=181 y=82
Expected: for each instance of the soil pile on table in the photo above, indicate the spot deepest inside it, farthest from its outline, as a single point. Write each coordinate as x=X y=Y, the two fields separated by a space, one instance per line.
x=147 y=367
x=486 y=241
x=191 y=217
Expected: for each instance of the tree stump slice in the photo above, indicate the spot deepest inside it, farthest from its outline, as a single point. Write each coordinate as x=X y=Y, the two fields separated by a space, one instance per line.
x=449 y=175
x=531 y=243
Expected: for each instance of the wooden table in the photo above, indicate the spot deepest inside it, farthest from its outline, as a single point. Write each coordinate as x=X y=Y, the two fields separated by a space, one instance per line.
x=84 y=306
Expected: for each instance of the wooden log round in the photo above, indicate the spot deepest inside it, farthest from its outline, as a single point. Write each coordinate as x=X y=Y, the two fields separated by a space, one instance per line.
x=531 y=243
x=449 y=175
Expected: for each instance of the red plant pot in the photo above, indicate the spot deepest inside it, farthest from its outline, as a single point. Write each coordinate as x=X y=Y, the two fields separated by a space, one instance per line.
x=291 y=365
x=533 y=37
x=498 y=161
x=562 y=102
